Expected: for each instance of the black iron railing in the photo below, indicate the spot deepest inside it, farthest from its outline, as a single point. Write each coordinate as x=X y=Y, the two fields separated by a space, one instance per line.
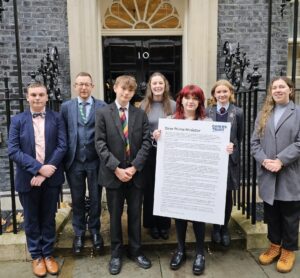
x=48 y=71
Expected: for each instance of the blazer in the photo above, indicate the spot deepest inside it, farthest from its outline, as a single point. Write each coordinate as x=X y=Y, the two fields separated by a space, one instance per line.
x=282 y=142
x=110 y=144
x=21 y=148
x=69 y=111
x=236 y=118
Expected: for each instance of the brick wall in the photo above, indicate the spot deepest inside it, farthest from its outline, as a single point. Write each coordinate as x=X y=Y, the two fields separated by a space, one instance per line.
x=246 y=22
x=42 y=24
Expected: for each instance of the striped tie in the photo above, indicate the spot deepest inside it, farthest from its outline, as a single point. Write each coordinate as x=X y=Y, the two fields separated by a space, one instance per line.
x=82 y=109
x=125 y=129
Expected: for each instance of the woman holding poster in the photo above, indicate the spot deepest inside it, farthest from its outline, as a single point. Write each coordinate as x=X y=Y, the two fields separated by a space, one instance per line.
x=189 y=106
x=223 y=110
x=275 y=145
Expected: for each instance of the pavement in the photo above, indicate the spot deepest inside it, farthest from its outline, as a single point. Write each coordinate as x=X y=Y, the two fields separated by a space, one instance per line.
x=234 y=262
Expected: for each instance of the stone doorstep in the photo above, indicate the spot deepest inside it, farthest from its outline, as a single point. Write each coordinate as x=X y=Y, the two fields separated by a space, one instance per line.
x=65 y=238
x=244 y=234
x=13 y=247
x=256 y=235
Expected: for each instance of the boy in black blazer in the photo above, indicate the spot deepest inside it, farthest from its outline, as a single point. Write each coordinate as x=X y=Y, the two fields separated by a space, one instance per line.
x=123 y=142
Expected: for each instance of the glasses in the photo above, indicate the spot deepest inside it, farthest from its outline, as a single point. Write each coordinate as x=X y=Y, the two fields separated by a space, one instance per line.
x=84 y=84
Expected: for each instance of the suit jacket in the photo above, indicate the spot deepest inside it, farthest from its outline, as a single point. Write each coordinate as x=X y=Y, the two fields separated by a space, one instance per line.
x=282 y=142
x=236 y=118
x=110 y=144
x=21 y=148
x=69 y=111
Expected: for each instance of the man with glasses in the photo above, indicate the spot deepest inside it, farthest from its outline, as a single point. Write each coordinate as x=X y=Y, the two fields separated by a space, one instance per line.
x=82 y=162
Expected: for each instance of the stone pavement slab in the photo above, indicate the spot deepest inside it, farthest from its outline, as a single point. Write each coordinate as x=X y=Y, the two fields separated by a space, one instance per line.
x=231 y=263
x=271 y=271
x=22 y=269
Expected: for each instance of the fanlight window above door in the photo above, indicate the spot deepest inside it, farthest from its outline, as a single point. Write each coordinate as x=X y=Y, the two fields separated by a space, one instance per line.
x=141 y=14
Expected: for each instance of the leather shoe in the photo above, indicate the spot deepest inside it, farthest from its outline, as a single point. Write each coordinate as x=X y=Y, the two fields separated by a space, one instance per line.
x=115 y=265
x=225 y=237
x=78 y=243
x=199 y=264
x=97 y=242
x=177 y=260
x=164 y=233
x=142 y=261
x=154 y=233
x=216 y=236
x=39 y=267
x=51 y=265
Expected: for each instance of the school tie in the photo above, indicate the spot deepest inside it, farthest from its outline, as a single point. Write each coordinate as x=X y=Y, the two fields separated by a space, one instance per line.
x=222 y=110
x=125 y=129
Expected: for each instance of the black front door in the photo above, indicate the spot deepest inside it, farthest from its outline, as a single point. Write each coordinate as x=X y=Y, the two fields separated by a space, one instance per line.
x=140 y=57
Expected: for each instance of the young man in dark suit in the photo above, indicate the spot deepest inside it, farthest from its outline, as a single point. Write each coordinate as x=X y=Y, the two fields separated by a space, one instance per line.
x=82 y=161
x=123 y=142
x=37 y=144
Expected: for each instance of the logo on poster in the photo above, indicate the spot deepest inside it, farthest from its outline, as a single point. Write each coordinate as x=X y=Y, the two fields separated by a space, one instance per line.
x=218 y=127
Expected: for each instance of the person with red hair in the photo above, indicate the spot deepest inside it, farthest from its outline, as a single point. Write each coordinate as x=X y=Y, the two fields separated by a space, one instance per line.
x=190 y=103
x=189 y=106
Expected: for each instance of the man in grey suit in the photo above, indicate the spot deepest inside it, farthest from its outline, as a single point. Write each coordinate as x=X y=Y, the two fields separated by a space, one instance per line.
x=123 y=142
x=82 y=162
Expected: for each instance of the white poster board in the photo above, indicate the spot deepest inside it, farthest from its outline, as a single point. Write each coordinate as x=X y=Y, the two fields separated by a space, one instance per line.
x=191 y=170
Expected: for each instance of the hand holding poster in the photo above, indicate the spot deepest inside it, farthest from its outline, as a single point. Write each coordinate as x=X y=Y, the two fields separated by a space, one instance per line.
x=191 y=170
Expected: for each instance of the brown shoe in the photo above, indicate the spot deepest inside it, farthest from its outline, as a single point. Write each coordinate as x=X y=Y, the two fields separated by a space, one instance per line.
x=51 y=265
x=39 y=268
x=286 y=261
x=270 y=255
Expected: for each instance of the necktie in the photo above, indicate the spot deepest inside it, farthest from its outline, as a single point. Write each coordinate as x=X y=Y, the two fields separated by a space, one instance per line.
x=222 y=110
x=82 y=108
x=38 y=114
x=125 y=129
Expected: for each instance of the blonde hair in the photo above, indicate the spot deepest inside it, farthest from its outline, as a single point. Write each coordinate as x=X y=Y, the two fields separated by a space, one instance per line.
x=126 y=81
x=36 y=84
x=148 y=100
x=269 y=103
x=226 y=83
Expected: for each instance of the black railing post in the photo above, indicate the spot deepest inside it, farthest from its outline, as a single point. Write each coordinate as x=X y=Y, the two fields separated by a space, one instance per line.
x=253 y=205
x=295 y=35
x=249 y=107
x=253 y=79
x=244 y=156
x=20 y=83
x=269 y=43
x=11 y=165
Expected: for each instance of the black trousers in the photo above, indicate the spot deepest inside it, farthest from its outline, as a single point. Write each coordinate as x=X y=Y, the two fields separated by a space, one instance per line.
x=228 y=210
x=115 y=202
x=150 y=220
x=199 y=232
x=282 y=219
x=77 y=175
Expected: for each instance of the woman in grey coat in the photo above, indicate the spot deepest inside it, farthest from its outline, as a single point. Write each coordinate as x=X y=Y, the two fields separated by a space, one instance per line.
x=275 y=145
